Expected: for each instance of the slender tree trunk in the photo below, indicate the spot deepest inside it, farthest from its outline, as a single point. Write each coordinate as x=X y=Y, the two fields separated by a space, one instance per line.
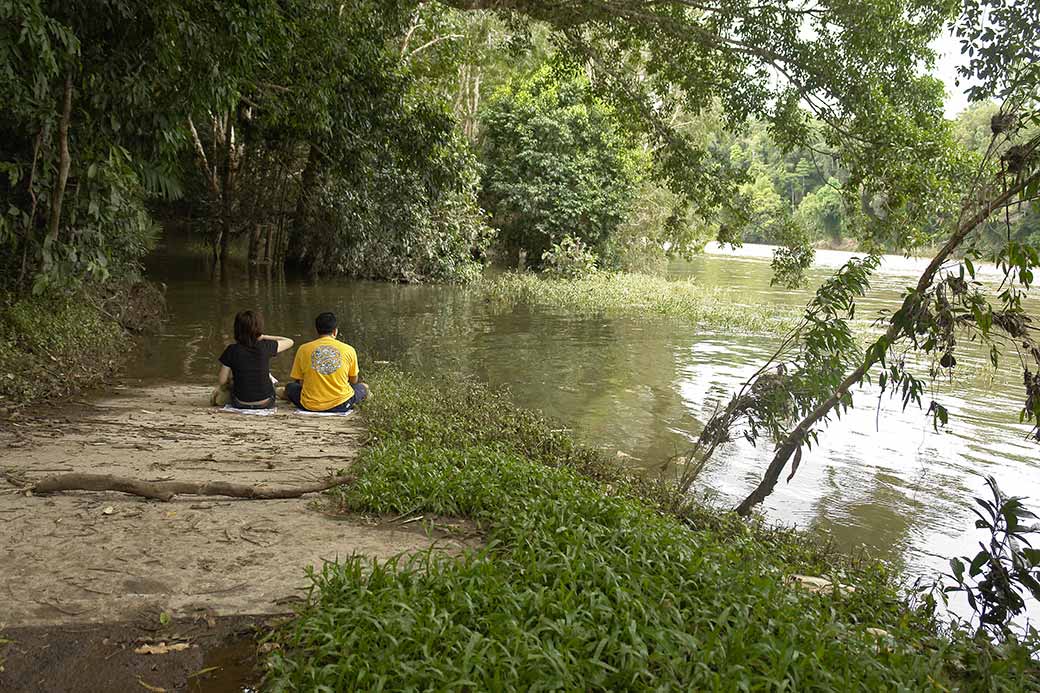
x=209 y=172
x=227 y=188
x=254 y=244
x=299 y=219
x=64 y=162
x=274 y=228
x=29 y=231
x=471 y=120
x=796 y=437
x=224 y=238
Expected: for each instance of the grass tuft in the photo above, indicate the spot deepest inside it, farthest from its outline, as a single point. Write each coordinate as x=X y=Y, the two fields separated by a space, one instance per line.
x=639 y=295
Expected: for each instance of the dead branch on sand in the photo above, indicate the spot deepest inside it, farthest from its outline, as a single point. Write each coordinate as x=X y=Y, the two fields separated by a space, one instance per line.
x=166 y=490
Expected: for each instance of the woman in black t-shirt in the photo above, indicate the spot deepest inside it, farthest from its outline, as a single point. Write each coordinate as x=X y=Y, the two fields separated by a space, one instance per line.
x=247 y=363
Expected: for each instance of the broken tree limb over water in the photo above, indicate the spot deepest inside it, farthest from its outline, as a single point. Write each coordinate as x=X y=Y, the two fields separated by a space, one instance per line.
x=166 y=490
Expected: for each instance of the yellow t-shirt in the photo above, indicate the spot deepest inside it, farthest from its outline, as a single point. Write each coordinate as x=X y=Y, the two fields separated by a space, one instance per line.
x=324 y=366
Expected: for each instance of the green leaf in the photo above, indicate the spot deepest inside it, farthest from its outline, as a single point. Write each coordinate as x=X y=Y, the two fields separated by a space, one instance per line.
x=976 y=563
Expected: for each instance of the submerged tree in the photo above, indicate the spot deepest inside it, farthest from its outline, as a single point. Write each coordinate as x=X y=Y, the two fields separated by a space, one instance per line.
x=556 y=165
x=269 y=116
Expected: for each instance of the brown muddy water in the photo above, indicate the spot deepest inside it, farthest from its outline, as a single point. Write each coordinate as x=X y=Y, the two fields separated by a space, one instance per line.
x=644 y=385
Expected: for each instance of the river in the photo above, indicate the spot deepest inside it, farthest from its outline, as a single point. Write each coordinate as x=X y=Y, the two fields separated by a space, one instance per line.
x=641 y=388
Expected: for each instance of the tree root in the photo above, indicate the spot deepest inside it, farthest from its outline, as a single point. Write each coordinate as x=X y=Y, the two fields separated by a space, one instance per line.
x=166 y=490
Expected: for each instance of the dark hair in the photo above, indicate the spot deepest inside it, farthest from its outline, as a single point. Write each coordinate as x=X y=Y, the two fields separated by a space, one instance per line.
x=248 y=328
x=325 y=323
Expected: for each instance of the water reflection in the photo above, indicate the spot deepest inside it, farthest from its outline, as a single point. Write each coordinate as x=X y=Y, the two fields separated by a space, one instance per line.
x=645 y=385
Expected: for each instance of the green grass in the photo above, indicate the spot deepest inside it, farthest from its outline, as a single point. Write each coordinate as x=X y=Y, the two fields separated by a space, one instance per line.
x=639 y=295
x=591 y=581
x=50 y=347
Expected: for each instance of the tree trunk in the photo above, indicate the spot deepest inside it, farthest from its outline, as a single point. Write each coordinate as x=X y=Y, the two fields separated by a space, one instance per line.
x=254 y=244
x=64 y=162
x=296 y=244
x=225 y=238
x=227 y=191
x=794 y=440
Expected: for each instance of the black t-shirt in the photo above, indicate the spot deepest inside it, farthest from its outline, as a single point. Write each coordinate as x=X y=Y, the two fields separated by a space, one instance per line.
x=251 y=369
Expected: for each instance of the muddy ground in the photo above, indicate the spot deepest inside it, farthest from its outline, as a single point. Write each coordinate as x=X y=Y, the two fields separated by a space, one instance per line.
x=218 y=655
x=78 y=558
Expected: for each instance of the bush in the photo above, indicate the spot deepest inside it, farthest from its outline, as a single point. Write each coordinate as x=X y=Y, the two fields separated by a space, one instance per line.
x=568 y=259
x=51 y=346
x=556 y=163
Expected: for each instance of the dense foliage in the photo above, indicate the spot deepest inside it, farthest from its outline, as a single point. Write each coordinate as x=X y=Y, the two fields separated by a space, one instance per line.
x=282 y=124
x=808 y=186
x=556 y=165
x=338 y=138
x=580 y=584
x=73 y=160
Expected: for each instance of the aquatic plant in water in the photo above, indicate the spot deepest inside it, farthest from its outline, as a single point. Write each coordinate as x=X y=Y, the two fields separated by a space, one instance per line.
x=638 y=295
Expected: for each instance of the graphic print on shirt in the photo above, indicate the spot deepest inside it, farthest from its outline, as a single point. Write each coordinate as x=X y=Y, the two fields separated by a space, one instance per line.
x=326 y=359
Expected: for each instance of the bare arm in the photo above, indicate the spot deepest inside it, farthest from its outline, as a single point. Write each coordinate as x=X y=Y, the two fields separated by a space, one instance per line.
x=352 y=378
x=284 y=343
x=224 y=375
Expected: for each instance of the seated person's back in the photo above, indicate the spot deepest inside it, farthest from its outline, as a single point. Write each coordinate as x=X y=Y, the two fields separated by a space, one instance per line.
x=326 y=370
x=247 y=362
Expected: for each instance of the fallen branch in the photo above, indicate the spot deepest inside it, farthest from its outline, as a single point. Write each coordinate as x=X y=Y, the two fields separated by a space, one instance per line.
x=166 y=490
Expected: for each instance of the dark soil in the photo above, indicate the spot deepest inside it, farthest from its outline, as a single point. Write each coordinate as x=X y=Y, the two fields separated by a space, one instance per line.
x=221 y=656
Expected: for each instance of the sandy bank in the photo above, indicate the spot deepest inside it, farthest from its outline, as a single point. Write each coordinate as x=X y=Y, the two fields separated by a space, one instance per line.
x=104 y=557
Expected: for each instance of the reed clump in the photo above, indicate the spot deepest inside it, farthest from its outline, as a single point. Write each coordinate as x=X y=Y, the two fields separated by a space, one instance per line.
x=622 y=294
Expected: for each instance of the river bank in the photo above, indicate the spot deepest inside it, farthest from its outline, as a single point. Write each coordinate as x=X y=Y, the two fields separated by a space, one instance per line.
x=594 y=579
x=480 y=546
x=54 y=346
x=108 y=565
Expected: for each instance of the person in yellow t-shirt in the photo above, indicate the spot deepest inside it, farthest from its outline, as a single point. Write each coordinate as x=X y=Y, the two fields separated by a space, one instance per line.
x=325 y=372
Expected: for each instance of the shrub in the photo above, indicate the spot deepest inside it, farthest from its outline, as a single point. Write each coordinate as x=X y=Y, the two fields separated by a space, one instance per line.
x=568 y=259
x=51 y=346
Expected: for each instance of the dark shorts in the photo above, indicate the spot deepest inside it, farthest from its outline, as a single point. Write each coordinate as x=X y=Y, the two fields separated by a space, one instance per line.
x=267 y=404
x=294 y=390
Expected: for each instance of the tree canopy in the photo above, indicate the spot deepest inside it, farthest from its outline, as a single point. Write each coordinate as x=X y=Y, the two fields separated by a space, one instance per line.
x=556 y=164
